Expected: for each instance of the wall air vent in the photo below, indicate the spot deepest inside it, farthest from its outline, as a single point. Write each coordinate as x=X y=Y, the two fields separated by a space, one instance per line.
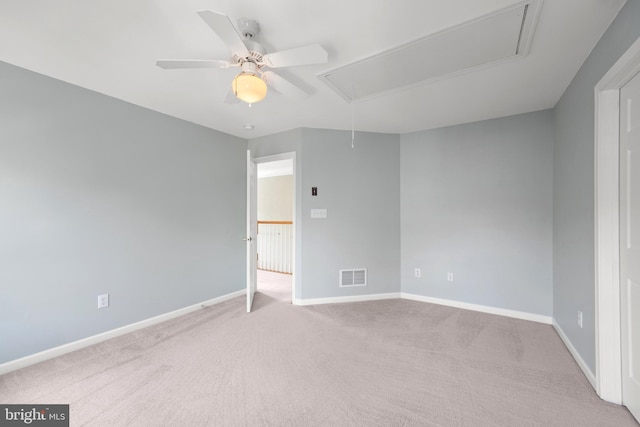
x=503 y=35
x=357 y=277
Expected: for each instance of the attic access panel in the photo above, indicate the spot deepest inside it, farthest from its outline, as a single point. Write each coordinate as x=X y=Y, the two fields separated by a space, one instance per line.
x=502 y=35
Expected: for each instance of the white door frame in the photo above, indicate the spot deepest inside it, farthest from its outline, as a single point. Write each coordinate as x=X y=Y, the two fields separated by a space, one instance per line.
x=607 y=227
x=296 y=218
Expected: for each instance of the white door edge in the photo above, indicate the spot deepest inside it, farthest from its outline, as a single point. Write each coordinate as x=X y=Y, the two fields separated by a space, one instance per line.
x=251 y=227
x=607 y=266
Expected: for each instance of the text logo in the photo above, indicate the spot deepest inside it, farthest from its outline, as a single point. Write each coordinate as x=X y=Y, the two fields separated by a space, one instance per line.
x=34 y=415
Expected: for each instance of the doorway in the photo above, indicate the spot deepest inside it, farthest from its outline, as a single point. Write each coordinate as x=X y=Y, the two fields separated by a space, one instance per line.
x=276 y=226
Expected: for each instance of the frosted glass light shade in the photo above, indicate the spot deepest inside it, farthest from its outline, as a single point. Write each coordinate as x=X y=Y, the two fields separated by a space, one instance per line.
x=249 y=87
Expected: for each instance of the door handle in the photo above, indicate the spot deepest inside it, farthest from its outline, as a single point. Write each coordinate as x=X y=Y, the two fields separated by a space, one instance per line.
x=247 y=239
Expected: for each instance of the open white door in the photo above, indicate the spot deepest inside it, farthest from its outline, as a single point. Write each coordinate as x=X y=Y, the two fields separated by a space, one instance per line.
x=630 y=243
x=252 y=230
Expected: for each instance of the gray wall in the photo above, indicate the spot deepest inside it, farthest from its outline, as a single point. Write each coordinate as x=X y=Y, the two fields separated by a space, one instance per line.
x=100 y=196
x=360 y=189
x=278 y=143
x=476 y=201
x=573 y=228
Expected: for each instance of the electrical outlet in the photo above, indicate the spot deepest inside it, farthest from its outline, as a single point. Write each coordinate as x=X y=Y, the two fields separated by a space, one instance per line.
x=418 y=272
x=579 y=318
x=449 y=277
x=103 y=300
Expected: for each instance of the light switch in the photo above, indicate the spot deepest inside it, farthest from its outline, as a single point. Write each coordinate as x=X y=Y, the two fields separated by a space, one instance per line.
x=318 y=213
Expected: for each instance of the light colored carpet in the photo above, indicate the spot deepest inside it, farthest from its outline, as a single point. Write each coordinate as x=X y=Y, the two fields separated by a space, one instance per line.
x=382 y=363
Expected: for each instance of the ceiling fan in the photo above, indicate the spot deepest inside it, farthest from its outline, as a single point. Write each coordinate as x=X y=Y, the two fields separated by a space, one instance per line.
x=251 y=57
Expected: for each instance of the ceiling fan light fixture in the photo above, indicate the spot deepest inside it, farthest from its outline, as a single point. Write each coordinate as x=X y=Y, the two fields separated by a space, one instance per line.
x=248 y=87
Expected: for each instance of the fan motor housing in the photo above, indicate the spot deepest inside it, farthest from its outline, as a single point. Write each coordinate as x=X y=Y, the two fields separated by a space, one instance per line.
x=256 y=51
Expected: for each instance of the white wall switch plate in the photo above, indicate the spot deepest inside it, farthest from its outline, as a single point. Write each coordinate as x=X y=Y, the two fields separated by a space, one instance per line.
x=418 y=272
x=318 y=213
x=450 y=277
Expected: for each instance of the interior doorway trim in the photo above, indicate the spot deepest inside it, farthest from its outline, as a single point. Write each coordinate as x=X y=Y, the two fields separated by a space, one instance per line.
x=607 y=227
x=296 y=218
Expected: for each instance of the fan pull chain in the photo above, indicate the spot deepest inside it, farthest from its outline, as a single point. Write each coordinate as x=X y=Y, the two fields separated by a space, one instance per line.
x=353 y=128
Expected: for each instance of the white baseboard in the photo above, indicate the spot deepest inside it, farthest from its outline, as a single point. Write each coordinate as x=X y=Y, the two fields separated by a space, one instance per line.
x=482 y=308
x=85 y=342
x=354 y=298
x=457 y=304
x=581 y=363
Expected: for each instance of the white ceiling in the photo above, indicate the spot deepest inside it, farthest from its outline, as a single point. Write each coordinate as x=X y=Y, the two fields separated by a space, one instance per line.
x=111 y=47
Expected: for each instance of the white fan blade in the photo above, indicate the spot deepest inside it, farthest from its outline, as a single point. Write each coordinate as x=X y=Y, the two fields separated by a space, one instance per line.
x=223 y=27
x=192 y=63
x=283 y=86
x=312 y=54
